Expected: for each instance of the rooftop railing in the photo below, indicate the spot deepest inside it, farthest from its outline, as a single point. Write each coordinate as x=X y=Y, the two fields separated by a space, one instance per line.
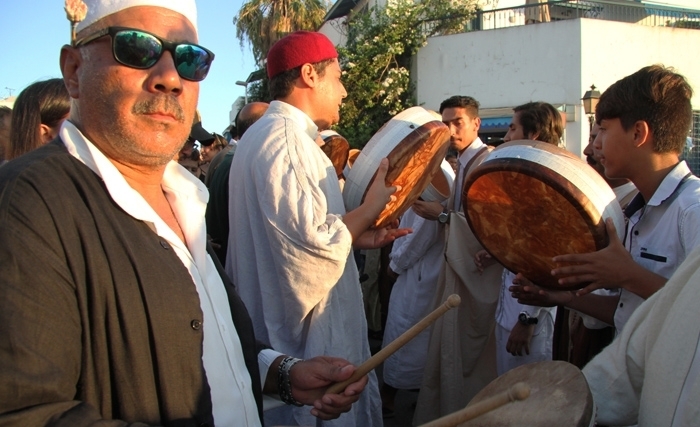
x=609 y=10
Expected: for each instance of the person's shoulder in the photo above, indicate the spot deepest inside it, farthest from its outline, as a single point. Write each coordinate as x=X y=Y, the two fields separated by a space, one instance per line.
x=37 y=162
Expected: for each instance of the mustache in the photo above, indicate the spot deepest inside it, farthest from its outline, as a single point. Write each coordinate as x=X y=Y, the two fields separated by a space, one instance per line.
x=591 y=161
x=160 y=104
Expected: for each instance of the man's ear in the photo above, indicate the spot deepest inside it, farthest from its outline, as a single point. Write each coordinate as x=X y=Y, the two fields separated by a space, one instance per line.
x=477 y=122
x=642 y=133
x=309 y=75
x=70 y=62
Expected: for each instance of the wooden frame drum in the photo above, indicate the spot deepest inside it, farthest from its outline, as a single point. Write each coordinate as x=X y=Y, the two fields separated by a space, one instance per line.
x=529 y=201
x=415 y=142
x=337 y=149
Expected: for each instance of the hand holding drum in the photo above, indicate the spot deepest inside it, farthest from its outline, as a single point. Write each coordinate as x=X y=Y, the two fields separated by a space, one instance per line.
x=374 y=361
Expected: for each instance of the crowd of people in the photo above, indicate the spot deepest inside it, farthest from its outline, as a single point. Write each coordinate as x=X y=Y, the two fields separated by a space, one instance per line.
x=154 y=273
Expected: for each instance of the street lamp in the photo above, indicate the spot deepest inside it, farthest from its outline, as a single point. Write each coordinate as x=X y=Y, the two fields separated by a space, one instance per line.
x=245 y=85
x=590 y=101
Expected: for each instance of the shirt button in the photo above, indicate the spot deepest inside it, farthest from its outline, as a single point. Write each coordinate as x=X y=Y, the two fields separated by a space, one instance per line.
x=636 y=232
x=196 y=324
x=164 y=244
x=621 y=304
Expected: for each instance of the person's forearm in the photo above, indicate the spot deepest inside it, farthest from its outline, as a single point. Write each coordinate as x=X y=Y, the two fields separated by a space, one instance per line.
x=602 y=307
x=271 y=385
x=360 y=219
x=643 y=282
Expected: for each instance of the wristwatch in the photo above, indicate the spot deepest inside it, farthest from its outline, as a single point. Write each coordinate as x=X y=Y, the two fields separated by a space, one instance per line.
x=444 y=217
x=526 y=319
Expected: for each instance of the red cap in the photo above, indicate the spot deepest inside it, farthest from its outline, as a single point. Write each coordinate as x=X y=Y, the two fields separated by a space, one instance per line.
x=296 y=49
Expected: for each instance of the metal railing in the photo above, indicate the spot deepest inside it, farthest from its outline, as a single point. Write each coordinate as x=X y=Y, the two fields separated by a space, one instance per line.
x=557 y=10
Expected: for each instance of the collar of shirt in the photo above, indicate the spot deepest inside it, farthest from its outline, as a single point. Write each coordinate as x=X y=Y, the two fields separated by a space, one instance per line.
x=669 y=184
x=291 y=112
x=187 y=195
x=470 y=151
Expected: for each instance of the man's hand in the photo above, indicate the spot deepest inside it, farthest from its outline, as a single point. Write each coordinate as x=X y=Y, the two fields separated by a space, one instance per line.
x=378 y=194
x=519 y=339
x=528 y=293
x=609 y=267
x=483 y=260
x=378 y=237
x=310 y=379
x=427 y=210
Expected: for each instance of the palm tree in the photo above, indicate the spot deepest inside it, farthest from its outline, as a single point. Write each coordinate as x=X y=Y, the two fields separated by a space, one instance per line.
x=262 y=22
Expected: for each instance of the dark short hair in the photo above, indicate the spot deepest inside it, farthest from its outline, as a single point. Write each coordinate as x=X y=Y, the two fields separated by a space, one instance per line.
x=458 y=101
x=282 y=84
x=656 y=95
x=542 y=119
x=45 y=102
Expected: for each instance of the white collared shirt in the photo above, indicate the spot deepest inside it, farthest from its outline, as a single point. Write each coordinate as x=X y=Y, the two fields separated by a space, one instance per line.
x=232 y=397
x=463 y=159
x=662 y=234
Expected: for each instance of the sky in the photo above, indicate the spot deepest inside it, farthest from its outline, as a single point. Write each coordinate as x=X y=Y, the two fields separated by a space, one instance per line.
x=33 y=31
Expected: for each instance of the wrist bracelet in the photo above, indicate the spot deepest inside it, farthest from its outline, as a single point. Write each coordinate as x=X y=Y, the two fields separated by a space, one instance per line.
x=284 y=383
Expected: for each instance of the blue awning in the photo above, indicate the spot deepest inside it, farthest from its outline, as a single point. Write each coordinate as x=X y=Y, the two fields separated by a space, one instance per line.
x=493 y=123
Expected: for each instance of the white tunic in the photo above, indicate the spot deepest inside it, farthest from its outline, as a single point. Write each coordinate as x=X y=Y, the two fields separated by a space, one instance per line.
x=290 y=253
x=417 y=259
x=649 y=373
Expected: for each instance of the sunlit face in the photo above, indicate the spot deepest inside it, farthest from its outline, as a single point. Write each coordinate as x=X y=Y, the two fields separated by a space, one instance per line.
x=612 y=147
x=136 y=117
x=592 y=158
x=330 y=94
x=463 y=128
x=515 y=130
x=209 y=151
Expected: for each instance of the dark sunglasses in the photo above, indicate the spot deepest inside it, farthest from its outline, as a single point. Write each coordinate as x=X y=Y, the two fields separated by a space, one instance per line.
x=142 y=50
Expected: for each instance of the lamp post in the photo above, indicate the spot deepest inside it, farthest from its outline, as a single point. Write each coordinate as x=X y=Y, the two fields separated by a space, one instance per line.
x=245 y=85
x=590 y=101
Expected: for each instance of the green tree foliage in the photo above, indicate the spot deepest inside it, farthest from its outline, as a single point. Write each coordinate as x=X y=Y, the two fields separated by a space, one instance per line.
x=261 y=23
x=377 y=58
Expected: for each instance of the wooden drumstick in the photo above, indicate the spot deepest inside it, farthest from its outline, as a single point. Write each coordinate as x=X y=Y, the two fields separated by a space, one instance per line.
x=518 y=391
x=374 y=361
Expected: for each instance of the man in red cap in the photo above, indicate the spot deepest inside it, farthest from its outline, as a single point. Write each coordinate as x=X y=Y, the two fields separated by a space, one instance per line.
x=291 y=241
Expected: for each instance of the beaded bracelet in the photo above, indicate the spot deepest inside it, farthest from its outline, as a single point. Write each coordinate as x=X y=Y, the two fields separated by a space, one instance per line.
x=284 y=383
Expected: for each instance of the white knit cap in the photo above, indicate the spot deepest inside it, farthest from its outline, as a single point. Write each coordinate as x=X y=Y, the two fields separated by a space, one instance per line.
x=98 y=9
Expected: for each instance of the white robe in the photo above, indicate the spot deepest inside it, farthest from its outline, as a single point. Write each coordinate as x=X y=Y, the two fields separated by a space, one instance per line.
x=417 y=259
x=290 y=253
x=643 y=376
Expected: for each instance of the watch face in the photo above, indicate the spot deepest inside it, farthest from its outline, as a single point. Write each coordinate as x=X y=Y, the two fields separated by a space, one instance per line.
x=442 y=217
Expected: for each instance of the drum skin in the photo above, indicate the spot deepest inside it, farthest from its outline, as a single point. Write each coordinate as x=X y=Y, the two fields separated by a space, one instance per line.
x=337 y=149
x=559 y=396
x=415 y=143
x=529 y=201
x=440 y=186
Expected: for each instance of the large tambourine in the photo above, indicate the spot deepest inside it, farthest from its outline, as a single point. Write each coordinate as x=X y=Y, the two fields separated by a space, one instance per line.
x=529 y=201
x=559 y=396
x=415 y=142
x=337 y=149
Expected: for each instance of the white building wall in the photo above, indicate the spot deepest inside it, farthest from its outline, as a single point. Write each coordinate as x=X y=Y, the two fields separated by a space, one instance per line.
x=555 y=62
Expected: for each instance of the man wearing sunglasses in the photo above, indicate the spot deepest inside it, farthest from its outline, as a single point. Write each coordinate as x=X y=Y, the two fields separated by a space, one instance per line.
x=110 y=306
